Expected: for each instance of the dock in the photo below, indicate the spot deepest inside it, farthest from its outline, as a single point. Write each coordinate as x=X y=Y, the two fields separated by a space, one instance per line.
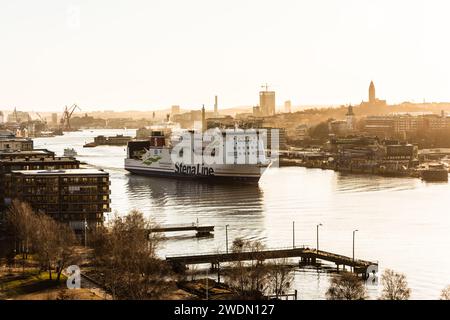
x=201 y=230
x=308 y=256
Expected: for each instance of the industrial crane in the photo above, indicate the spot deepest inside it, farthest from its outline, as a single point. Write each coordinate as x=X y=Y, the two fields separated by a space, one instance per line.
x=67 y=114
x=41 y=118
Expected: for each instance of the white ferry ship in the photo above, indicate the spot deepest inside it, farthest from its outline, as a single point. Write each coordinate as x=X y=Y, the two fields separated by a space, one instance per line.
x=240 y=159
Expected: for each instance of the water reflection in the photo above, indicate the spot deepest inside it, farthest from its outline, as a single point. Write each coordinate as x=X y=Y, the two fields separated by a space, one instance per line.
x=347 y=182
x=223 y=199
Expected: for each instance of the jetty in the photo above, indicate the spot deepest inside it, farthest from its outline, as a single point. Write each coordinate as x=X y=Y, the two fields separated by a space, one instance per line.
x=201 y=230
x=308 y=256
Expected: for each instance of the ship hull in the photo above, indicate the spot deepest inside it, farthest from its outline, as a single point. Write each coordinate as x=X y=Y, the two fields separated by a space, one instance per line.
x=223 y=174
x=209 y=179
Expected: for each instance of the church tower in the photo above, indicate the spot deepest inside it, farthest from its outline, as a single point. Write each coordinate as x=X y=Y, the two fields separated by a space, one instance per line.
x=372 y=97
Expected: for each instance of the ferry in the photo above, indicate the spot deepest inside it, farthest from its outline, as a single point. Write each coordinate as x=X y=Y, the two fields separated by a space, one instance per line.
x=156 y=156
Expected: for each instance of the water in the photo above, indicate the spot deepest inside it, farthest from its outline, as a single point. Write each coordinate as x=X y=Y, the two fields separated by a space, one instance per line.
x=403 y=223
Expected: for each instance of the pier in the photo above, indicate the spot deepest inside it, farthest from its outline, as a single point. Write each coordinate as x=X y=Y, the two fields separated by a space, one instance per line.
x=308 y=256
x=201 y=230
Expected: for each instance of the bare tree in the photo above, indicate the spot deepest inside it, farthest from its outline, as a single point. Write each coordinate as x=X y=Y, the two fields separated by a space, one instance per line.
x=65 y=254
x=445 y=294
x=51 y=241
x=346 y=286
x=395 y=286
x=45 y=242
x=126 y=256
x=249 y=277
x=280 y=275
x=20 y=219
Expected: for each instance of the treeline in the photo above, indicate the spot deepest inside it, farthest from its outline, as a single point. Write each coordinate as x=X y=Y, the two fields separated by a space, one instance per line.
x=28 y=232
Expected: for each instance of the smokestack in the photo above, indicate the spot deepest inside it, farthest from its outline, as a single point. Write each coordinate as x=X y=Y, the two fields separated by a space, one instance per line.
x=216 y=106
x=203 y=119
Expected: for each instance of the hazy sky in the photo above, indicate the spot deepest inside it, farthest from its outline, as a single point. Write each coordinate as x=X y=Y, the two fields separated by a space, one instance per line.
x=120 y=55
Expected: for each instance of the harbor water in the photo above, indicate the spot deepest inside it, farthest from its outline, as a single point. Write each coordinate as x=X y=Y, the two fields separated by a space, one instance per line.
x=403 y=223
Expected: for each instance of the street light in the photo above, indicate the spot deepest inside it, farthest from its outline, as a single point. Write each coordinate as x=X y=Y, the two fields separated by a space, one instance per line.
x=226 y=235
x=317 y=237
x=353 y=258
x=293 y=234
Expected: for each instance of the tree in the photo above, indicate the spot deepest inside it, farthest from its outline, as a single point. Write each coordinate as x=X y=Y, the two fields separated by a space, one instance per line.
x=20 y=219
x=320 y=131
x=346 y=286
x=395 y=286
x=445 y=294
x=249 y=278
x=280 y=276
x=125 y=254
x=65 y=255
x=51 y=241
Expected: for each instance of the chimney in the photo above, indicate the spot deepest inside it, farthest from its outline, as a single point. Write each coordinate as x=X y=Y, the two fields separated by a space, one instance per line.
x=216 y=106
x=203 y=119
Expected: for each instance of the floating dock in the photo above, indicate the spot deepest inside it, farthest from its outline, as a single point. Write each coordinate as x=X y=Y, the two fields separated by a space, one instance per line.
x=201 y=230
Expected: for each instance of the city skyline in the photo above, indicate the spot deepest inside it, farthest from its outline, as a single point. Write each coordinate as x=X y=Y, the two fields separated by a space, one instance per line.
x=149 y=56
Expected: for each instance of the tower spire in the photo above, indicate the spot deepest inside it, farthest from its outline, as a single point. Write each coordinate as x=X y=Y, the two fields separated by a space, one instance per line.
x=372 y=96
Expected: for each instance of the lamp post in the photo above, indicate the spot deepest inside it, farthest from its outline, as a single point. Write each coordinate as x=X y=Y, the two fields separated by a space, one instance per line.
x=317 y=237
x=226 y=236
x=85 y=232
x=293 y=234
x=353 y=257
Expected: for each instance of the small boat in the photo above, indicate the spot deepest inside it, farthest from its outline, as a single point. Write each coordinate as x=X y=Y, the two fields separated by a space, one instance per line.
x=435 y=172
x=70 y=152
x=46 y=134
x=90 y=145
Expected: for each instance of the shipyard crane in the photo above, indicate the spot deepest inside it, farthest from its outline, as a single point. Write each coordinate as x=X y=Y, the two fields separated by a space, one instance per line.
x=41 y=118
x=67 y=114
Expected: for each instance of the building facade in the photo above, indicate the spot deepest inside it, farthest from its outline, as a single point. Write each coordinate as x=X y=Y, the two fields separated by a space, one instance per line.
x=74 y=196
x=386 y=126
x=267 y=103
x=24 y=160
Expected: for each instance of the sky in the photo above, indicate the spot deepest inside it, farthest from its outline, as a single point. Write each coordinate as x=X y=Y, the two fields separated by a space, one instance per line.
x=151 y=54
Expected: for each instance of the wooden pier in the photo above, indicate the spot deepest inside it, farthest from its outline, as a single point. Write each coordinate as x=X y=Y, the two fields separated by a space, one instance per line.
x=201 y=230
x=308 y=256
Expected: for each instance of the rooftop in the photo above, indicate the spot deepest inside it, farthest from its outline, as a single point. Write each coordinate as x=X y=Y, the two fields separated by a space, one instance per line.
x=69 y=172
x=34 y=160
x=13 y=138
x=22 y=153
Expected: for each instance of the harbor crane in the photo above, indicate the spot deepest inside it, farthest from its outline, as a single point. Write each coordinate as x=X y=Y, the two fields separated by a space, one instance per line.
x=41 y=118
x=67 y=114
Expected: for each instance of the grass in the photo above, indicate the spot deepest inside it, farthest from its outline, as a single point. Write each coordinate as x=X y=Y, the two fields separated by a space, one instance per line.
x=30 y=281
